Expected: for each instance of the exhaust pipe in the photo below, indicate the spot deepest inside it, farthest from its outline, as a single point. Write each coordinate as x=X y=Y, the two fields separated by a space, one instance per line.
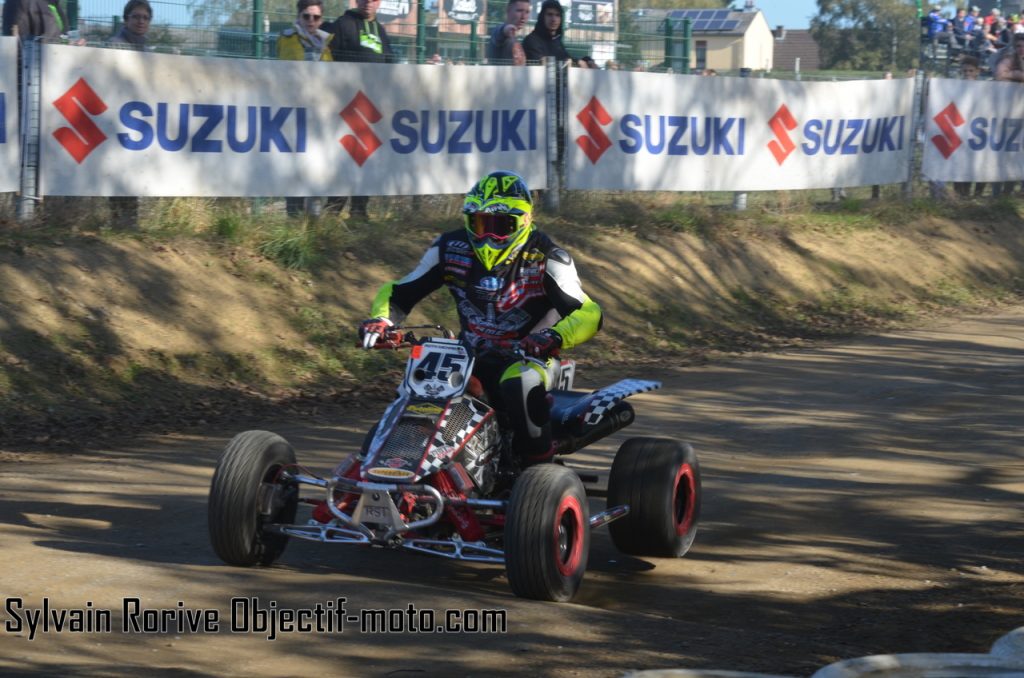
x=620 y=416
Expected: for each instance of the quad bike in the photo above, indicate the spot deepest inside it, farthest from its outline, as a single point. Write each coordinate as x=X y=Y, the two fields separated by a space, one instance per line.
x=436 y=475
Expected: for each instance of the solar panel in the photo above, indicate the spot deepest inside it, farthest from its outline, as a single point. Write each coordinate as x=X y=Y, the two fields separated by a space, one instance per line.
x=705 y=19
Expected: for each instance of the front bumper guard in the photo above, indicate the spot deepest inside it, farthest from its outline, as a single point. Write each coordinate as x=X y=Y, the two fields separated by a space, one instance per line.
x=376 y=507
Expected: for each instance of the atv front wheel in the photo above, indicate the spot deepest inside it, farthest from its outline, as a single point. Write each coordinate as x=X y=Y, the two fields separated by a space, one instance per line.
x=660 y=481
x=547 y=534
x=246 y=493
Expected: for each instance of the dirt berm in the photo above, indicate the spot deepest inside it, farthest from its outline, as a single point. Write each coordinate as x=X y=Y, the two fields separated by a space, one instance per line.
x=104 y=335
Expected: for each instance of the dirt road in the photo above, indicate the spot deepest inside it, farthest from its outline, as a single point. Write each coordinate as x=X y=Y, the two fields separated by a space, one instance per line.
x=862 y=498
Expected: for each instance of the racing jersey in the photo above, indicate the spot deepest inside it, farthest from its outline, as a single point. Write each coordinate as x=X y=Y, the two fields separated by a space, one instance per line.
x=536 y=289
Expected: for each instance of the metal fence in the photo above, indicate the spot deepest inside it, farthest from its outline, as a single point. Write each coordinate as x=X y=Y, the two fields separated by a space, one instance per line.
x=182 y=28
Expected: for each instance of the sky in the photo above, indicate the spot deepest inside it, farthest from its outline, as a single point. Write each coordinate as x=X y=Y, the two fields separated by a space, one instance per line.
x=788 y=13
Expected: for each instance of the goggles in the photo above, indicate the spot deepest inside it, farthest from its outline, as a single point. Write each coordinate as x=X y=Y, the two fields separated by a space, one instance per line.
x=496 y=225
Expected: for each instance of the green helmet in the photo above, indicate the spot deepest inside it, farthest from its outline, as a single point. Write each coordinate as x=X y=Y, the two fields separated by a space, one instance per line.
x=498 y=212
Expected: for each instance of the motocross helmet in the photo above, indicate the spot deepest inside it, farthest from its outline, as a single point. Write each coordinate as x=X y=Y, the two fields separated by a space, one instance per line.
x=499 y=217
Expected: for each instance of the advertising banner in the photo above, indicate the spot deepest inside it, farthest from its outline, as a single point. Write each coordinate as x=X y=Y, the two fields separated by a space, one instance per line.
x=642 y=132
x=10 y=143
x=122 y=123
x=973 y=131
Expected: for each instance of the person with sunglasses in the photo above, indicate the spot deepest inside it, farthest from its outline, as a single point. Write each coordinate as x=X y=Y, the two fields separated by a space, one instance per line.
x=512 y=286
x=305 y=40
x=137 y=16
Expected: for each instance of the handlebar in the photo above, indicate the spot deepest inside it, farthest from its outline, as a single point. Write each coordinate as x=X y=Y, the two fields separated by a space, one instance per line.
x=403 y=337
x=398 y=337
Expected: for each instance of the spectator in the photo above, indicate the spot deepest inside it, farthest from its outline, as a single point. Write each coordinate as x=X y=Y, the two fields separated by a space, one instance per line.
x=137 y=15
x=936 y=24
x=587 y=62
x=972 y=21
x=546 y=38
x=305 y=40
x=961 y=28
x=992 y=17
x=43 y=19
x=1008 y=62
x=358 y=36
x=990 y=42
x=503 y=47
x=970 y=69
x=612 y=65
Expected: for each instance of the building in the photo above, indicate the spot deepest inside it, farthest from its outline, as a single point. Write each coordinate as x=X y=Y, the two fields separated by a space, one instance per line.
x=794 y=47
x=721 y=39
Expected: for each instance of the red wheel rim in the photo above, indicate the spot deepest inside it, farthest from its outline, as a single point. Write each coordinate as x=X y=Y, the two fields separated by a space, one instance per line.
x=684 y=498
x=568 y=536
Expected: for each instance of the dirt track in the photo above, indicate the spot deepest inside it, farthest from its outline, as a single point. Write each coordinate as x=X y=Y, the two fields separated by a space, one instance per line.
x=859 y=499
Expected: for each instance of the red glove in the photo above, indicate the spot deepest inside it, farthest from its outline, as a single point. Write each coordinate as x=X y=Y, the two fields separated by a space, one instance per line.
x=370 y=331
x=542 y=344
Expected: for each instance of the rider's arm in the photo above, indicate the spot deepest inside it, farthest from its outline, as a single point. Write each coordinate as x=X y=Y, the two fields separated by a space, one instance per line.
x=396 y=299
x=581 y=316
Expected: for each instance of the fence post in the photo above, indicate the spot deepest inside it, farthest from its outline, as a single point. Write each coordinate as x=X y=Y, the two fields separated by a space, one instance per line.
x=421 y=33
x=917 y=127
x=739 y=200
x=687 y=43
x=30 y=129
x=552 y=78
x=258 y=14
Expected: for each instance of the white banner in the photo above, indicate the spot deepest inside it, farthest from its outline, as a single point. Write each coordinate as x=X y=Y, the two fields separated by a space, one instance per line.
x=119 y=122
x=973 y=131
x=10 y=143
x=648 y=132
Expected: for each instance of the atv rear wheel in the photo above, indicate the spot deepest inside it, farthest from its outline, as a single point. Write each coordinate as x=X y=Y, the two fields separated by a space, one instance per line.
x=659 y=479
x=246 y=493
x=547 y=534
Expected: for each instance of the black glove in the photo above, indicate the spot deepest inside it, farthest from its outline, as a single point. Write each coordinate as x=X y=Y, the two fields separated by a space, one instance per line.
x=542 y=344
x=370 y=331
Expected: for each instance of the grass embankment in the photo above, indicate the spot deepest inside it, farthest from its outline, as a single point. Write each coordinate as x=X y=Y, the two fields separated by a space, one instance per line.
x=209 y=310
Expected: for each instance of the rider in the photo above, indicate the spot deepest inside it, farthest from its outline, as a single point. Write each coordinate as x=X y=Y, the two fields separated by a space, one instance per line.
x=520 y=287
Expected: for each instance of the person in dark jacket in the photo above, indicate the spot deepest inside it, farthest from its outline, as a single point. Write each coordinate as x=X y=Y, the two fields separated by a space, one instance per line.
x=546 y=38
x=358 y=36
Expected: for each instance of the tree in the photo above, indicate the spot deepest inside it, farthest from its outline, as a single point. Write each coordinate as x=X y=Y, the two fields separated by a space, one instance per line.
x=866 y=34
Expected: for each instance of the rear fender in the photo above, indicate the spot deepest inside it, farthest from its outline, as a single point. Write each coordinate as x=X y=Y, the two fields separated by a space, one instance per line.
x=593 y=407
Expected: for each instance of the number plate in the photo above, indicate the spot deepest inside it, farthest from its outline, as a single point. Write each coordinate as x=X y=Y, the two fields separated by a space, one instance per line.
x=438 y=368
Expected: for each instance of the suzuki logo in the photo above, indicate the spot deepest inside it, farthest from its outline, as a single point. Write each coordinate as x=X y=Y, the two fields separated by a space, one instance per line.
x=948 y=120
x=360 y=114
x=78 y=105
x=782 y=123
x=593 y=117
